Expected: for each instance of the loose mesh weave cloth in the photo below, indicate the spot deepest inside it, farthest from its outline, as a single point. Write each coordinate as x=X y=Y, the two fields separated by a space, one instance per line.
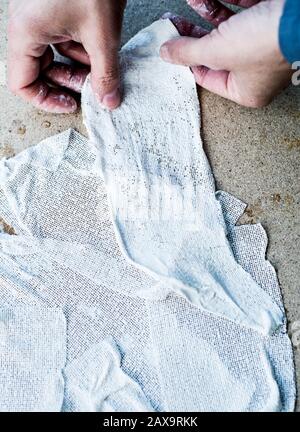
x=128 y=286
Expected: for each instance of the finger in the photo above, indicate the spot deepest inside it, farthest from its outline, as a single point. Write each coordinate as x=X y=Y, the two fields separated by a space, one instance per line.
x=47 y=58
x=102 y=45
x=211 y=10
x=67 y=76
x=26 y=59
x=74 y=51
x=24 y=81
x=105 y=77
x=185 y=27
x=213 y=81
x=207 y=51
x=48 y=99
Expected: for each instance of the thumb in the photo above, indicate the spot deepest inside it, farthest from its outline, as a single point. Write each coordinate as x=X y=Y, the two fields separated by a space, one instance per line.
x=105 y=80
x=105 y=77
x=207 y=51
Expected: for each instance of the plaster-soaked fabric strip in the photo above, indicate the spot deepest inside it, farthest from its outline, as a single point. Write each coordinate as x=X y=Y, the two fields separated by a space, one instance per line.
x=233 y=365
x=249 y=245
x=63 y=263
x=160 y=186
x=262 y=366
x=32 y=358
x=93 y=314
x=109 y=388
x=14 y=205
x=60 y=218
x=70 y=260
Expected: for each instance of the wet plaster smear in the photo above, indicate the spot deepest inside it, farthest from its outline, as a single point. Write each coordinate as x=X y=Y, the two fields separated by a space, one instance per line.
x=127 y=285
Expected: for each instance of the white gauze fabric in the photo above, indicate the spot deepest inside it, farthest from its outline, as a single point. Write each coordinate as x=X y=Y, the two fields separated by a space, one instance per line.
x=167 y=218
x=64 y=259
x=125 y=339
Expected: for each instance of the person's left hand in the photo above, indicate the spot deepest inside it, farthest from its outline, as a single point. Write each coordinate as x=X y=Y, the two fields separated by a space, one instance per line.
x=87 y=31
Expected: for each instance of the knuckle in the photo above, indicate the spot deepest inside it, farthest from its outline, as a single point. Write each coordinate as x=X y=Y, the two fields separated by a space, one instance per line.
x=12 y=87
x=23 y=25
x=110 y=77
x=13 y=26
x=222 y=29
x=12 y=84
x=256 y=102
x=177 y=51
x=200 y=74
x=247 y=97
x=17 y=23
x=216 y=32
x=179 y=56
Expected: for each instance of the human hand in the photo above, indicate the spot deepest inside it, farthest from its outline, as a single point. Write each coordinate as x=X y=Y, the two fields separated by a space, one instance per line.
x=87 y=31
x=240 y=59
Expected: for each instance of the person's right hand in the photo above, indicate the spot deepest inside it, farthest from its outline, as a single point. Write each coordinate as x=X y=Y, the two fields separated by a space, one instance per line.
x=240 y=59
x=87 y=31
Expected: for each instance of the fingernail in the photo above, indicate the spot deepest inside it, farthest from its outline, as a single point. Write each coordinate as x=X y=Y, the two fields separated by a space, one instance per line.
x=164 y=52
x=112 y=100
